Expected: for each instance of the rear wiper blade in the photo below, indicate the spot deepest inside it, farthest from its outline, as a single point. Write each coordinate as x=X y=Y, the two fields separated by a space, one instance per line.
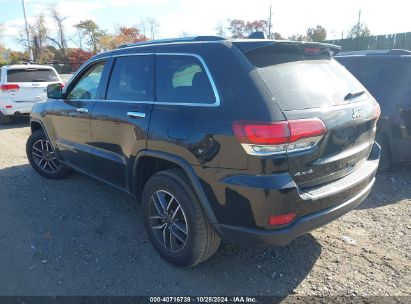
x=353 y=95
x=39 y=80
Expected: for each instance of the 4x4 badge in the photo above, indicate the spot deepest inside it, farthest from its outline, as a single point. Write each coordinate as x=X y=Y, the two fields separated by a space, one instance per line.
x=301 y=173
x=357 y=114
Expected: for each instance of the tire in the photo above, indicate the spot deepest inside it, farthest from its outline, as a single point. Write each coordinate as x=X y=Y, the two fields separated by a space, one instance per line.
x=5 y=120
x=199 y=242
x=42 y=157
x=385 y=158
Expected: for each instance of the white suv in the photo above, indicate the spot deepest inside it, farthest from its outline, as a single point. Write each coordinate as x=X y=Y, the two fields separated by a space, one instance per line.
x=23 y=85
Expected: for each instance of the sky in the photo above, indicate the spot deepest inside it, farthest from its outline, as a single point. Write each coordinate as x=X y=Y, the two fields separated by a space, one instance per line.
x=201 y=17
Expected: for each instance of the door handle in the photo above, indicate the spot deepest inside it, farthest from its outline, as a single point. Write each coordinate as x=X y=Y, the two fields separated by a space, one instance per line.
x=136 y=114
x=82 y=110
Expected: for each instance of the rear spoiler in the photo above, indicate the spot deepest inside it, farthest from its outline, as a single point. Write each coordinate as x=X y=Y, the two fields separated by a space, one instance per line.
x=248 y=45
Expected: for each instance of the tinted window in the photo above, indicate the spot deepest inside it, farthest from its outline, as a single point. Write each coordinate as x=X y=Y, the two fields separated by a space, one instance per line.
x=131 y=79
x=86 y=87
x=182 y=79
x=300 y=80
x=31 y=75
x=387 y=78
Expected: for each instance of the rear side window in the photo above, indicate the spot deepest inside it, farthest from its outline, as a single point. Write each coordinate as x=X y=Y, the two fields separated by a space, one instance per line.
x=299 y=80
x=31 y=75
x=132 y=79
x=182 y=79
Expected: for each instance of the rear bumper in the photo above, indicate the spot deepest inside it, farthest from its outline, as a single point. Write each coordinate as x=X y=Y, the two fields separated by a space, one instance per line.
x=299 y=227
x=16 y=107
x=256 y=198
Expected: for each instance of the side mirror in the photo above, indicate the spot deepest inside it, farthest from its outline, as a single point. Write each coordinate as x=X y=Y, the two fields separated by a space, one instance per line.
x=55 y=91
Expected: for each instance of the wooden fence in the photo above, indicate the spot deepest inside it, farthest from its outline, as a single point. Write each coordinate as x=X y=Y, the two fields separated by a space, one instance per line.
x=380 y=42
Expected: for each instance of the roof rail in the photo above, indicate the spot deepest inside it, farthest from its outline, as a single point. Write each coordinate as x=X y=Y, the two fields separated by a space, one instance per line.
x=172 y=40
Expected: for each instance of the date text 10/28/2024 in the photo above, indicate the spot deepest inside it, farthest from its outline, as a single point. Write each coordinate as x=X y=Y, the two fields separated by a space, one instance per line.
x=237 y=299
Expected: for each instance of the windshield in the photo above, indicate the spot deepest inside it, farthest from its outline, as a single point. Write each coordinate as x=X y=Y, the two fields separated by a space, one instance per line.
x=31 y=75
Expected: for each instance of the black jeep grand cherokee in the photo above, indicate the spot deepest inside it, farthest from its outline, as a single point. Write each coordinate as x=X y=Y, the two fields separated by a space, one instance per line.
x=253 y=140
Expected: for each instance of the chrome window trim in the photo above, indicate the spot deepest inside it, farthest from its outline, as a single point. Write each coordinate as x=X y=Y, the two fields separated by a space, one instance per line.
x=210 y=78
x=126 y=101
x=216 y=103
x=85 y=65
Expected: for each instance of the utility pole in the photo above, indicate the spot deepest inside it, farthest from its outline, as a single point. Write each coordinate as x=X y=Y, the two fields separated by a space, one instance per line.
x=269 y=24
x=27 y=32
x=358 y=30
x=359 y=18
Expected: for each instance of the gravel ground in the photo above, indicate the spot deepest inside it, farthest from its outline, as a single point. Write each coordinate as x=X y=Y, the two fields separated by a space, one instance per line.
x=81 y=237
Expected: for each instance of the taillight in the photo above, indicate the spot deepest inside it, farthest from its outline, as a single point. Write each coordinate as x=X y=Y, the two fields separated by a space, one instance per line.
x=281 y=219
x=377 y=111
x=9 y=87
x=313 y=50
x=262 y=133
x=62 y=84
x=279 y=137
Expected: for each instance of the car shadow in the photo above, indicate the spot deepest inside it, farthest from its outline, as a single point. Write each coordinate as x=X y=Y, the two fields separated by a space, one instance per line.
x=390 y=187
x=78 y=236
x=18 y=122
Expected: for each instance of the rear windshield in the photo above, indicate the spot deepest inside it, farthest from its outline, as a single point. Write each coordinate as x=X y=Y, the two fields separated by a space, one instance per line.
x=302 y=77
x=387 y=78
x=31 y=75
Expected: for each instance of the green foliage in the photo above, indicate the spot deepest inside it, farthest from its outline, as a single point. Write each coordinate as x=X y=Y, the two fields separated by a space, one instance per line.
x=298 y=37
x=317 y=34
x=93 y=32
x=359 y=30
x=238 y=28
x=241 y=29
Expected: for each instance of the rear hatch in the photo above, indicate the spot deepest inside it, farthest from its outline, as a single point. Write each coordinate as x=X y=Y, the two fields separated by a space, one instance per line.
x=308 y=84
x=30 y=83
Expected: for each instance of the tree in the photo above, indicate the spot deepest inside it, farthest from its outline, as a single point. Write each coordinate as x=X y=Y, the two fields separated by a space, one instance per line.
x=276 y=36
x=130 y=35
x=237 y=28
x=220 y=30
x=317 y=34
x=152 y=27
x=17 y=57
x=1 y=33
x=123 y=35
x=3 y=52
x=359 y=30
x=38 y=34
x=298 y=37
x=88 y=28
x=60 y=40
x=256 y=26
x=241 y=29
x=77 y=57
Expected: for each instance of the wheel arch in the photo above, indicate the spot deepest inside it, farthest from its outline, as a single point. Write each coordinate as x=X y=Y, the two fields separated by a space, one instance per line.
x=140 y=177
x=36 y=125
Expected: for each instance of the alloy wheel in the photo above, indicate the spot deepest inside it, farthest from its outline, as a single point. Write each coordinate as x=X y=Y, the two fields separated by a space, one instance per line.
x=44 y=156
x=168 y=221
